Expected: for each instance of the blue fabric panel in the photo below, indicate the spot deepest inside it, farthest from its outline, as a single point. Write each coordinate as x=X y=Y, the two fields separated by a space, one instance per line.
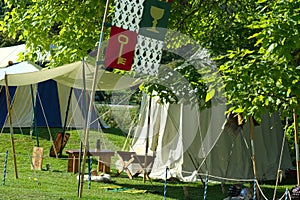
x=3 y=107
x=48 y=93
x=83 y=105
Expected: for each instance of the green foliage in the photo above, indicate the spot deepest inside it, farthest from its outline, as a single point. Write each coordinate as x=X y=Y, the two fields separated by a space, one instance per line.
x=266 y=75
x=178 y=82
x=5 y=41
x=290 y=134
x=66 y=29
x=216 y=25
x=256 y=45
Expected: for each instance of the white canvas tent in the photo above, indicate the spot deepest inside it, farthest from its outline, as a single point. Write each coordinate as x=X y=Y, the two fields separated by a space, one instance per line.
x=27 y=80
x=192 y=143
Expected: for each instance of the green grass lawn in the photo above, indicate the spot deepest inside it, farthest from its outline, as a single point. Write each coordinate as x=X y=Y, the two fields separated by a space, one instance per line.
x=57 y=183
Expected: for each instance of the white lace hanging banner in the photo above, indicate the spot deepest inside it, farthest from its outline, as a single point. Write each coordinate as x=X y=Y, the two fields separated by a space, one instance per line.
x=147 y=56
x=128 y=14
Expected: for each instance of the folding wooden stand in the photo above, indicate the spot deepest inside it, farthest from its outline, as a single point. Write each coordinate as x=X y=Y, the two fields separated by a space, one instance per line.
x=58 y=144
x=126 y=160
x=129 y=158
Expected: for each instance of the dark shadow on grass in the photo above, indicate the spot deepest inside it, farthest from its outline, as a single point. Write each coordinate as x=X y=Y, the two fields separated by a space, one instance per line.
x=47 y=134
x=114 y=131
x=175 y=190
x=42 y=132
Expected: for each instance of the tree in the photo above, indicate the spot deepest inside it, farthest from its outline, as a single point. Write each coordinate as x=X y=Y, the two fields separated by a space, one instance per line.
x=66 y=29
x=266 y=74
x=256 y=42
x=5 y=41
x=215 y=25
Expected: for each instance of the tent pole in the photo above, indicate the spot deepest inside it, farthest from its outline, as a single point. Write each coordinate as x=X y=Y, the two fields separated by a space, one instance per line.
x=32 y=125
x=34 y=117
x=10 y=126
x=88 y=119
x=86 y=132
x=66 y=119
x=253 y=153
x=147 y=139
x=79 y=175
x=85 y=100
x=188 y=152
x=67 y=111
x=85 y=95
x=296 y=138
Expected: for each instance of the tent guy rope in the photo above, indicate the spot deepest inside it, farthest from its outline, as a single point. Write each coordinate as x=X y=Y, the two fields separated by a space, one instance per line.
x=88 y=119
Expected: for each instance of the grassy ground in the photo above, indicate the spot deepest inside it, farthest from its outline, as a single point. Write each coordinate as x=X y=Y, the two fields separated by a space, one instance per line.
x=57 y=183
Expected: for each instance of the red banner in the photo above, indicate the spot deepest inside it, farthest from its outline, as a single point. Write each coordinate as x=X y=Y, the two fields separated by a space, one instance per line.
x=120 y=50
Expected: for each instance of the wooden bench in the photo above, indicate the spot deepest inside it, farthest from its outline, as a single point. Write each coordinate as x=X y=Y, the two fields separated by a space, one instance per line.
x=104 y=159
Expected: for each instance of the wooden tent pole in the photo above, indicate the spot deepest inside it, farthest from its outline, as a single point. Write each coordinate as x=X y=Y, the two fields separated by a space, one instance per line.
x=34 y=117
x=79 y=167
x=68 y=109
x=296 y=138
x=147 y=140
x=253 y=153
x=85 y=108
x=66 y=120
x=10 y=126
x=88 y=118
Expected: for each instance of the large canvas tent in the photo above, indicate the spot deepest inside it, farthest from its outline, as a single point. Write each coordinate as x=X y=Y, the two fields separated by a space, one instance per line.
x=192 y=143
x=44 y=105
x=49 y=90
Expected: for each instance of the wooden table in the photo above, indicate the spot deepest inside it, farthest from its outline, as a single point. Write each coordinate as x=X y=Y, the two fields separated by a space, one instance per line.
x=103 y=161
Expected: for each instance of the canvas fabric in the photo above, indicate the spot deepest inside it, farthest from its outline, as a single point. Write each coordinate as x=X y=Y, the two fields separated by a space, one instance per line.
x=51 y=107
x=19 y=68
x=22 y=107
x=193 y=142
x=10 y=54
x=71 y=75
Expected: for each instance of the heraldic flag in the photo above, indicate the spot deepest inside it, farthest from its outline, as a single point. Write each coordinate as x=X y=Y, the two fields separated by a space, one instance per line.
x=137 y=35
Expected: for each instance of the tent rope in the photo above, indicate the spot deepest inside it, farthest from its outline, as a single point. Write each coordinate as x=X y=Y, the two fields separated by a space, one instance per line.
x=280 y=159
x=143 y=109
x=26 y=148
x=237 y=180
x=47 y=125
x=260 y=190
x=215 y=142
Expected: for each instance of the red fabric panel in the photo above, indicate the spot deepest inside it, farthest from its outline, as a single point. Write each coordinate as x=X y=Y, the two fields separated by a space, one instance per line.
x=120 y=50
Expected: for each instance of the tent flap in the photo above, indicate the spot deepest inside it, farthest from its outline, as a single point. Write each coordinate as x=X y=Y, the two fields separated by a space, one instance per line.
x=192 y=142
x=26 y=73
